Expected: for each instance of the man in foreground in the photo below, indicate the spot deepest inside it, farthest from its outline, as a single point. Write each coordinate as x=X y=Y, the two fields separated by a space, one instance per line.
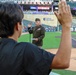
x=25 y=58
x=38 y=33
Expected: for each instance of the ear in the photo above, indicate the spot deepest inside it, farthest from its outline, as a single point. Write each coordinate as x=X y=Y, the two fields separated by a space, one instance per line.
x=17 y=26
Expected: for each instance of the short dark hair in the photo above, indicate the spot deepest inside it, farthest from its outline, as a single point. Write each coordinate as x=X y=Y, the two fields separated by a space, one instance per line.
x=37 y=19
x=10 y=15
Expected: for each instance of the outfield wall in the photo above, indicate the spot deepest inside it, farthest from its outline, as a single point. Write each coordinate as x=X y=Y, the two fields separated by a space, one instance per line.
x=49 y=20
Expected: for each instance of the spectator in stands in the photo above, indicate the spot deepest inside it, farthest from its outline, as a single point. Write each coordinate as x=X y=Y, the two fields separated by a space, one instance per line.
x=25 y=58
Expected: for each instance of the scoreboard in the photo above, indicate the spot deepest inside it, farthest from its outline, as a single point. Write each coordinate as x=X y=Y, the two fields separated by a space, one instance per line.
x=36 y=7
x=39 y=5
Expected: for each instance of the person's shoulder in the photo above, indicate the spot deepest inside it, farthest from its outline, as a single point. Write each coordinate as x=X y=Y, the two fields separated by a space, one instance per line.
x=26 y=44
x=28 y=48
x=42 y=27
x=23 y=47
x=23 y=44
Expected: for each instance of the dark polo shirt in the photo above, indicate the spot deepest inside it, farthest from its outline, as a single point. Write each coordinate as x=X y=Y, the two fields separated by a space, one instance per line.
x=23 y=59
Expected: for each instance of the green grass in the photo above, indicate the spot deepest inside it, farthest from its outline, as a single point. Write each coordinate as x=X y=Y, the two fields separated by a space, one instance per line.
x=49 y=41
x=24 y=38
x=73 y=33
x=65 y=72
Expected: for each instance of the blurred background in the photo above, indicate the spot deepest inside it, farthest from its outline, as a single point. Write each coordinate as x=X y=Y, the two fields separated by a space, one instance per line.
x=44 y=9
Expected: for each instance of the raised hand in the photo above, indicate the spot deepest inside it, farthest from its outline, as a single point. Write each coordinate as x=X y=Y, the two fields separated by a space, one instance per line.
x=64 y=15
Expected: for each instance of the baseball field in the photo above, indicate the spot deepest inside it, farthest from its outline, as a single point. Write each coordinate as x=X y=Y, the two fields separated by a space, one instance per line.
x=51 y=44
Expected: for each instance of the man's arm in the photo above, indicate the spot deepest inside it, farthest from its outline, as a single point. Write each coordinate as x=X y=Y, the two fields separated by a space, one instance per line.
x=30 y=29
x=62 y=57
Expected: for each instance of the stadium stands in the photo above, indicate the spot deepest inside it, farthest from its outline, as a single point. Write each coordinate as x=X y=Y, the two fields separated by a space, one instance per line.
x=47 y=28
x=72 y=4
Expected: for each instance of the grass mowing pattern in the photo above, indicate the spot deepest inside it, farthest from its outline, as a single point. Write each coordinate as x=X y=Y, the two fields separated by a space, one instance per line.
x=49 y=41
x=65 y=72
